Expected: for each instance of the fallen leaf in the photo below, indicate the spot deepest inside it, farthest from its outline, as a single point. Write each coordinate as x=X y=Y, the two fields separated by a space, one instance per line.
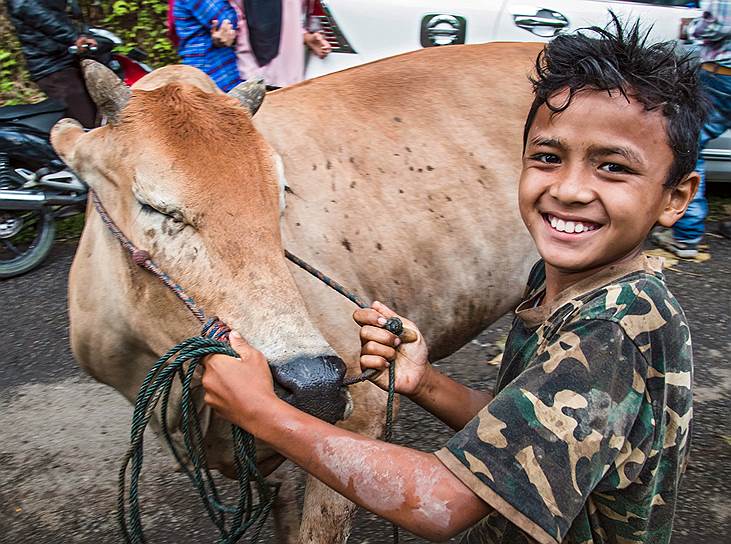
x=496 y=361
x=671 y=260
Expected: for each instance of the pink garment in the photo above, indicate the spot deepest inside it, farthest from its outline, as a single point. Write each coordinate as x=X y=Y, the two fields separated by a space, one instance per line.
x=172 y=35
x=288 y=66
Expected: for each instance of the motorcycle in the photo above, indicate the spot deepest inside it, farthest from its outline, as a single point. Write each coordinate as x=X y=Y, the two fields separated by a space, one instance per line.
x=36 y=187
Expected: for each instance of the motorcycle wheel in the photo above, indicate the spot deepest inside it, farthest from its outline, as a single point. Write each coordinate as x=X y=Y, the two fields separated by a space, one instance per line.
x=26 y=236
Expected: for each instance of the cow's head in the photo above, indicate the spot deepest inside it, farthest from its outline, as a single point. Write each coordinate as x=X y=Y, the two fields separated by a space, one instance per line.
x=184 y=174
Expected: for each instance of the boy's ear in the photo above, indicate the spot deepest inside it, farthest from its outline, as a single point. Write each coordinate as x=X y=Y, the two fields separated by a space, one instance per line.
x=678 y=200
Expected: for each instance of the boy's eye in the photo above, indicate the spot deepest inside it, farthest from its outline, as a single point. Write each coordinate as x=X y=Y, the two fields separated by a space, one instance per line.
x=546 y=158
x=614 y=168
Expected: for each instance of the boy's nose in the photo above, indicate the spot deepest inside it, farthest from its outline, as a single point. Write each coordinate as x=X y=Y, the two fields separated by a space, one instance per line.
x=573 y=187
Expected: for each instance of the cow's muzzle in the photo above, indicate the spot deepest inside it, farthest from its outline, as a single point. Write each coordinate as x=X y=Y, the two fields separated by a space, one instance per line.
x=314 y=385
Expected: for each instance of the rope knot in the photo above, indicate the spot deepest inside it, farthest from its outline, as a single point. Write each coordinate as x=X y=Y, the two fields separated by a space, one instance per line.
x=216 y=329
x=140 y=257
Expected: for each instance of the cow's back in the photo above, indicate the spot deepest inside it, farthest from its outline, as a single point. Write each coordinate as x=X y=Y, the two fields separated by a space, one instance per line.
x=404 y=186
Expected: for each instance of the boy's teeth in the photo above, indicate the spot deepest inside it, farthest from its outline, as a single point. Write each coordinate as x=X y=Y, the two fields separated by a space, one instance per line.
x=570 y=226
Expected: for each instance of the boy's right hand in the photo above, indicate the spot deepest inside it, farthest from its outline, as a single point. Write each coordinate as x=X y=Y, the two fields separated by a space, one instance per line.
x=380 y=348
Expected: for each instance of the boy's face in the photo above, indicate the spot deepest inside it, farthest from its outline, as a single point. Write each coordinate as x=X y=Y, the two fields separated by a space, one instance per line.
x=592 y=181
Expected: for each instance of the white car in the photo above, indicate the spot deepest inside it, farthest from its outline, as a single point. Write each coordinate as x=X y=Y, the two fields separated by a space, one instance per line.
x=361 y=31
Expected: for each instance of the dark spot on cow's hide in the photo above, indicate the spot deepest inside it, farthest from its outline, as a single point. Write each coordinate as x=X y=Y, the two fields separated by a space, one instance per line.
x=396 y=155
x=381 y=170
x=352 y=185
x=329 y=165
x=411 y=168
x=430 y=168
x=407 y=148
x=397 y=119
x=449 y=198
x=288 y=189
x=352 y=160
x=430 y=197
x=479 y=180
x=150 y=232
x=346 y=244
x=396 y=282
x=379 y=246
x=401 y=191
x=314 y=167
x=420 y=170
x=298 y=224
x=472 y=154
x=431 y=211
x=483 y=167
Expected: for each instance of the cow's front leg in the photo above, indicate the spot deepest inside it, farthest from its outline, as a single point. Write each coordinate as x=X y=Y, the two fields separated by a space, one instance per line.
x=285 y=511
x=327 y=516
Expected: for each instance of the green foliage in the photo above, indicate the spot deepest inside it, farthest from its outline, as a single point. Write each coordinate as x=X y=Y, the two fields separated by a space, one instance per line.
x=140 y=23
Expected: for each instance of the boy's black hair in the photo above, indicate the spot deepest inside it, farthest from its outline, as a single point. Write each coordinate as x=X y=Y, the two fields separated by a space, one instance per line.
x=618 y=58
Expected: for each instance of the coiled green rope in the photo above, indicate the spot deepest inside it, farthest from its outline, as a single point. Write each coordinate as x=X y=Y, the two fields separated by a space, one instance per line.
x=246 y=514
x=181 y=362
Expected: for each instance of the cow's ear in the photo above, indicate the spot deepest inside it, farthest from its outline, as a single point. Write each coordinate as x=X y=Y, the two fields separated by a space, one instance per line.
x=107 y=91
x=64 y=137
x=250 y=93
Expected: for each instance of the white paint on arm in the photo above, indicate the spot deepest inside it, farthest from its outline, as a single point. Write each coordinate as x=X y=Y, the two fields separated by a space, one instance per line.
x=433 y=508
x=381 y=488
x=413 y=495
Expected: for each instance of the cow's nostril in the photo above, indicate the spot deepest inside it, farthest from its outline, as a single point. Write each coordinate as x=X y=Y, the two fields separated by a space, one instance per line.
x=314 y=385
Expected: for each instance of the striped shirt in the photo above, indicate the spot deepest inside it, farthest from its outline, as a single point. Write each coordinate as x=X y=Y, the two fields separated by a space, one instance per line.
x=193 y=19
x=713 y=29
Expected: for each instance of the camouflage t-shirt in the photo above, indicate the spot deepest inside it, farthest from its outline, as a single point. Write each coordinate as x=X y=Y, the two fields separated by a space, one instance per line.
x=588 y=434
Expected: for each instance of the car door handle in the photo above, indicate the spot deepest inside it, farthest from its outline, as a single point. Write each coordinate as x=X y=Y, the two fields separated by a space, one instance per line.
x=545 y=23
x=529 y=21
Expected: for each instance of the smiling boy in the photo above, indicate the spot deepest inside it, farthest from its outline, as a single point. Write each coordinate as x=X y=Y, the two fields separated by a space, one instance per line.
x=586 y=435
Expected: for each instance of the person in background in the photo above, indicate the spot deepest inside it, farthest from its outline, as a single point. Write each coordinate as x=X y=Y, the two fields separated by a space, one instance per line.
x=713 y=28
x=208 y=49
x=288 y=66
x=46 y=31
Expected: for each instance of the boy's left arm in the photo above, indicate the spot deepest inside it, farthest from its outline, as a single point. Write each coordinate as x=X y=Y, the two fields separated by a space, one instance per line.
x=408 y=487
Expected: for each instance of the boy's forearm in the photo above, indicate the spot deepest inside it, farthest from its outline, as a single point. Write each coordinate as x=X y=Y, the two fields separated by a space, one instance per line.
x=408 y=487
x=455 y=404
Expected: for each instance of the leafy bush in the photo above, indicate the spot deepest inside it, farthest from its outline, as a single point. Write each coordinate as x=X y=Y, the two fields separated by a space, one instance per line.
x=140 y=23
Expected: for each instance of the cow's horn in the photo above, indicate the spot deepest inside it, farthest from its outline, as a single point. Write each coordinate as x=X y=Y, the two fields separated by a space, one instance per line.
x=107 y=91
x=250 y=94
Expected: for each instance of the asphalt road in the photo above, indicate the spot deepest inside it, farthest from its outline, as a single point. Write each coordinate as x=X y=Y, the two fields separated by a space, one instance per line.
x=63 y=434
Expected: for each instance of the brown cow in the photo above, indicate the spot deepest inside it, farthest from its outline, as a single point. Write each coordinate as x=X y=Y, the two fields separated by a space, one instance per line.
x=401 y=177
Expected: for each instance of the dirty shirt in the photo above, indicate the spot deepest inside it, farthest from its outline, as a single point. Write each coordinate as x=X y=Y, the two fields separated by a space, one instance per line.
x=587 y=436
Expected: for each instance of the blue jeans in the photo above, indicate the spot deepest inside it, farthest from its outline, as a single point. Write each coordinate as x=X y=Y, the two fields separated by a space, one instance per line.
x=690 y=227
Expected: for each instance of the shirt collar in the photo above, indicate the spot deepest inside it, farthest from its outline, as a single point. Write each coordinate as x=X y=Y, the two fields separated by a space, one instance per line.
x=533 y=315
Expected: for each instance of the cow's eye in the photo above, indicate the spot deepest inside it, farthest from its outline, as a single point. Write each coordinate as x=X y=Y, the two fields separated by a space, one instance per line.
x=149 y=209
x=174 y=216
